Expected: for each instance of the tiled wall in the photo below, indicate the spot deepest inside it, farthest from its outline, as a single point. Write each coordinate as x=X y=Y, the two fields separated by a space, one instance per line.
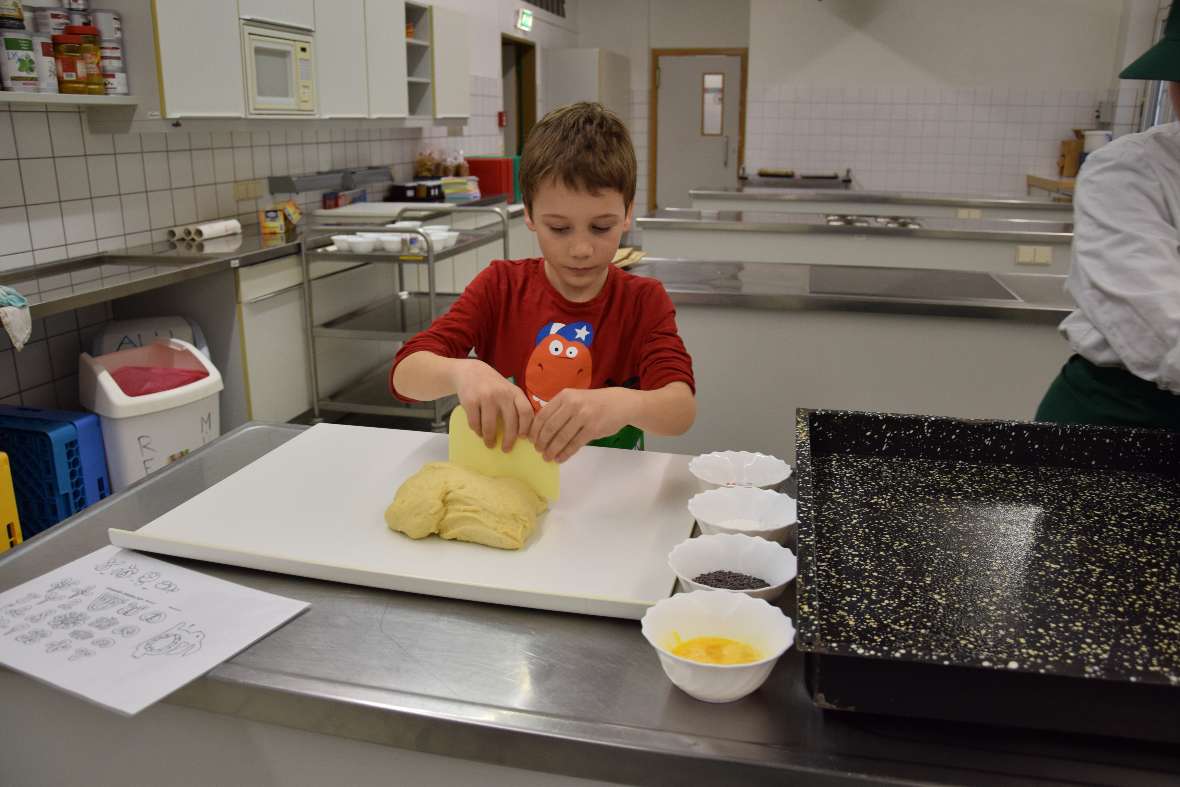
x=65 y=192
x=965 y=141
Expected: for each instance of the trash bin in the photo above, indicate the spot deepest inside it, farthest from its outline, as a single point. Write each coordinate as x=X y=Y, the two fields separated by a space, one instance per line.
x=156 y=403
x=125 y=334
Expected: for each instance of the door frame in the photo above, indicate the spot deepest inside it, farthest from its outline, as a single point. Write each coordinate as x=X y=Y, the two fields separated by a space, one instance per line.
x=653 y=123
x=526 y=83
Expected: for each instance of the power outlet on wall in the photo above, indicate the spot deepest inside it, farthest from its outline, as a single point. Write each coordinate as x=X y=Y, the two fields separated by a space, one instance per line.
x=247 y=189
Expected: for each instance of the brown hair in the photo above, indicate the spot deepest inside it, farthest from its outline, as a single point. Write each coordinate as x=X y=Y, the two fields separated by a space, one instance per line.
x=584 y=146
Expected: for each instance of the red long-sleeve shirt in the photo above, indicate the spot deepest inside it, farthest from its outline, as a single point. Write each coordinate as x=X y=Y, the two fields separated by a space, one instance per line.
x=518 y=324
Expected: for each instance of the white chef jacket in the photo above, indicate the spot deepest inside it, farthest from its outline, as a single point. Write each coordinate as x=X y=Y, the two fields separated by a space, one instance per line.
x=1125 y=276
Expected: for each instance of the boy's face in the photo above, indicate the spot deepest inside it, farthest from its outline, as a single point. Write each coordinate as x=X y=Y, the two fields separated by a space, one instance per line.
x=579 y=234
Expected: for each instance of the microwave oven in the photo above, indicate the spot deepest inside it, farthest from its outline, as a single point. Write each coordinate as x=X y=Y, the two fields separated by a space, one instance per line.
x=279 y=70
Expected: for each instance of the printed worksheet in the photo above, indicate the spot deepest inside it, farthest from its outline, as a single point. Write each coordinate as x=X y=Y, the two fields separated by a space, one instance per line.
x=124 y=630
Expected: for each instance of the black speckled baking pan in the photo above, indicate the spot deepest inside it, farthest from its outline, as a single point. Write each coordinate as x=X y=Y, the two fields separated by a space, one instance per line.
x=1007 y=573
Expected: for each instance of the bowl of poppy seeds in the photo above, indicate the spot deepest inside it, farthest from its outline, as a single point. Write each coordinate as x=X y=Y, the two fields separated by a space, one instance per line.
x=735 y=563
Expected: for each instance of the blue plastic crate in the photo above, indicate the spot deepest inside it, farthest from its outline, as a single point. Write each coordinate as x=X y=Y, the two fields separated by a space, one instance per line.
x=94 y=457
x=46 y=470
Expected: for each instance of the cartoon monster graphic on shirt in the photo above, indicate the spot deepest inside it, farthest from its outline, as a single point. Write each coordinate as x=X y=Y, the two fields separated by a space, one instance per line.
x=560 y=359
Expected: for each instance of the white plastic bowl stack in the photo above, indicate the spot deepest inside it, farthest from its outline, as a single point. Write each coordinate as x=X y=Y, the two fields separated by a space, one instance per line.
x=746 y=510
x=710 y=614
x=739 y=468
x=755 y=557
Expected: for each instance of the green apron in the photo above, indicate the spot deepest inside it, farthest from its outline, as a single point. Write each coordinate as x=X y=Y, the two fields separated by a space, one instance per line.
x=629 y=438
x=1084 y=393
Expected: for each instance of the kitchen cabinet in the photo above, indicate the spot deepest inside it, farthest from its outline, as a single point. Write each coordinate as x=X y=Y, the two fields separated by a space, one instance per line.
x=340 y=42
x=599 y=75
x=290 y=13
x=198 y=47
x=450 y=48
x=385 y=54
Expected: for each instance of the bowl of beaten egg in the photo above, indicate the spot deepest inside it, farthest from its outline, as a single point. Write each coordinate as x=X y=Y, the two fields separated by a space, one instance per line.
x=717 y=647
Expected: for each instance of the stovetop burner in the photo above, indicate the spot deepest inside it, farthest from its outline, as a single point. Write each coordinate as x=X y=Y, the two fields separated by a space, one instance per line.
x=852 y=220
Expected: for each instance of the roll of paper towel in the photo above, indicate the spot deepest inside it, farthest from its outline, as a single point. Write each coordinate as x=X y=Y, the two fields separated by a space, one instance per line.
x=222 y=245
x=179 y=233
x=216 y=229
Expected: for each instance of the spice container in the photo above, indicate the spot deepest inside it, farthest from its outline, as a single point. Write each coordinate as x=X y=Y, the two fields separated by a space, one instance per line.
x=91 y=58
x=18 y=62
x=12 y=15
x=115 y=84
x=71 y=69
x=109 y=24
x=111 y=54
x=80 y=18
x=51 y=21
x=46 y=65
x=76 y=5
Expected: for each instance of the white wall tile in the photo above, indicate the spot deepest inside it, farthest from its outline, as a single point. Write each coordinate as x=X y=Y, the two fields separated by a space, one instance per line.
x=135 y=212
x=131 y=175
x=32 y=365
x=203 y=172
x=73 y=181
x=104 y=178
x=127 y=143
x=108 y=217
x=11 y=192
x=32 y=134
x=206 y=197
x=98 y=144
x=45 y=225
x=226 y=204
x=155 y=169
x=243 y=163
x=39 y=180
x=14 y=231
x=177 y=140
x=260 y=158
x=279 y=160
x=223 y=165
x=65 y=130
x=7 y=137
x=200 y=140
x=184 y=206
x=78 y=217
x=153 y=142
x=180 y=167
x=160 y=209
x=241 y=139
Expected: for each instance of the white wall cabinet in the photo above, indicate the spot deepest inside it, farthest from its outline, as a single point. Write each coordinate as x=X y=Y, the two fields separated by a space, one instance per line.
x=199 y=51
x=385 y=54
x=340 y=58
x=452 y=63
x=292 y=13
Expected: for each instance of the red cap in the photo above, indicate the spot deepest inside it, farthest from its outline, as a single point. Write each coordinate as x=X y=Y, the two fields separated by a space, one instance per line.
x=82 y=30
x=64 y=39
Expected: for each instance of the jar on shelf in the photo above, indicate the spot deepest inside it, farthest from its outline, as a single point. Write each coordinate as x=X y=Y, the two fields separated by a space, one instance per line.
x=91 y=57
x=71 y=67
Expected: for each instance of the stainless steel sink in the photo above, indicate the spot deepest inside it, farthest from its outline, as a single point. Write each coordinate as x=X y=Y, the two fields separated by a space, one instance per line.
x=908 y=284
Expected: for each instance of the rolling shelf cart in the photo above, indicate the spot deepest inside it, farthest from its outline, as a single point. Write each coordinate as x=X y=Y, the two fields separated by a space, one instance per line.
x=393 y=319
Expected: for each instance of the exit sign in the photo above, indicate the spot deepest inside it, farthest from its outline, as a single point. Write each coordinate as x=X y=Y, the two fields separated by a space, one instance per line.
x=524 y=20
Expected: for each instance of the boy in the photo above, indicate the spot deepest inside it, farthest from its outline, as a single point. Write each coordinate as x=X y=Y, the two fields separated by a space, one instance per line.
x=570 y=349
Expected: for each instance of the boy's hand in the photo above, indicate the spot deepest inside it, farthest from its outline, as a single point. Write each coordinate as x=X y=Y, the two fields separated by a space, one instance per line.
x=488 y=397
x=576 y=416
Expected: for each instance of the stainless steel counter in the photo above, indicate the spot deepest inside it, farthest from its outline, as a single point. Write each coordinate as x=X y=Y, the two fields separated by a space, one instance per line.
x=1038 y=298
x=550 y=692
x=1012 y=230
x=770 y=194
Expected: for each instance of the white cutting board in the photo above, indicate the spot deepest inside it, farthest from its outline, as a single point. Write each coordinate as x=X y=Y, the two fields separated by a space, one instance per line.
x=314 y=507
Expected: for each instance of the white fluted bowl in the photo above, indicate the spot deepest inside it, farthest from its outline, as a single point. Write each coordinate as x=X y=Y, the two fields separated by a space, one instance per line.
x=745 y=510
x=755 y=557
x=738 y=468
x=709 y=614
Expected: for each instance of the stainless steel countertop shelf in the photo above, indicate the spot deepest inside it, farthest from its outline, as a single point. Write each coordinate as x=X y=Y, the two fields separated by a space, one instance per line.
x=369 y=395
x=768 y=193
x=467 y=241
x=568 y=694
x=390 y=319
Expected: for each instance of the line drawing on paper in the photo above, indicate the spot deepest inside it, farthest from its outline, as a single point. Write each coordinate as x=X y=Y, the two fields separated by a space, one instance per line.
x=103 y=623
x=132 y=609
x=180 y=640
x=17 y=628
x=25 y=599
x=37 y=617
x=126 y=631
x=17 y=612
x=33 y=637
x=155 y=616
x=57 y=645
x=127 y=571
x=58 y=591
x=108 y=564
x=81 y=634
x=148 y=577
x=103 y=642
x=106 y=600
x=168 y=586
x=68 y=620
x=80 y=654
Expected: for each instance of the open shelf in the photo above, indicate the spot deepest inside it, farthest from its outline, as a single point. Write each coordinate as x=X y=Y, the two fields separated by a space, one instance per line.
x=67 y=99
x=467 y=241
x=390 y=319
x=370 y=395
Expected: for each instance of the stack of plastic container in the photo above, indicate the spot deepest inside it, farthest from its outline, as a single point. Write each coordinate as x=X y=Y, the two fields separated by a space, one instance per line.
x=58 y=463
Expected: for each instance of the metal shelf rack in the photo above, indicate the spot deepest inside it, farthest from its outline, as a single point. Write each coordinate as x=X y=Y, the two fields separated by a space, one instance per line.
x=393 y=319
